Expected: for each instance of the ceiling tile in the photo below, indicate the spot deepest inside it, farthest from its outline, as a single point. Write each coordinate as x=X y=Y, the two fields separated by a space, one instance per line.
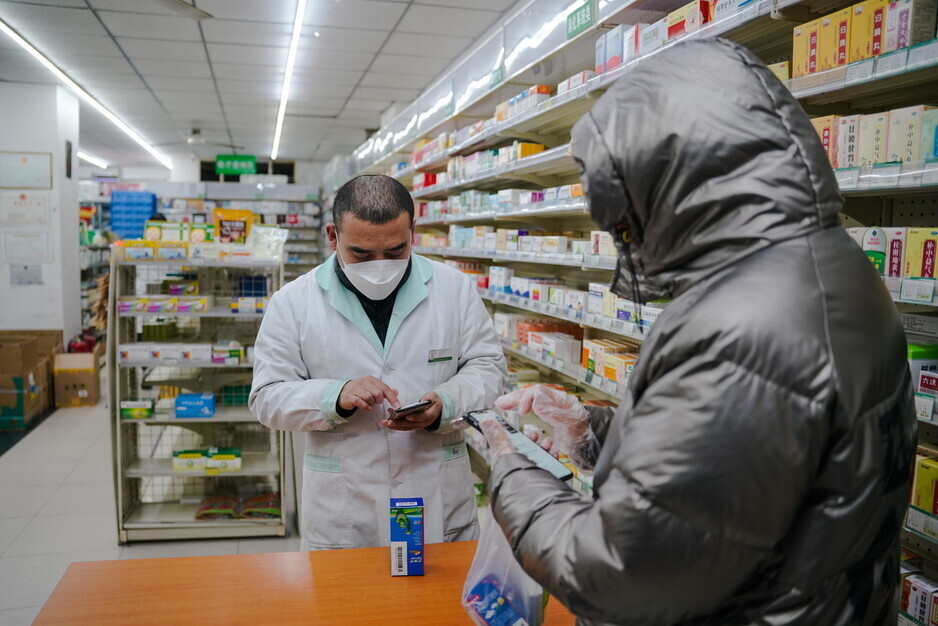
x=429 y=45
x=408 y=64
x=154 y=49
x=82 y=63
x=349 y=14
x=186 y=69
x=92 y=81
x=250 y=55
x=60 y=46
x=342 y=39
x=322 y=90
x=178 y=83
x=23 y=74
x=133 y=6
x=358 y=118
x=262 y=89
x=489 y=5
x=150 y=26
x=446 y=21
x=368 y=104
x=302 y=76
x=382 y=93
x=237 y=71
x=247 y=33
x=60 y=19
x=390 y=79
x=251 y=10
x=54 y=3
x=325 y=59
x=185 y=98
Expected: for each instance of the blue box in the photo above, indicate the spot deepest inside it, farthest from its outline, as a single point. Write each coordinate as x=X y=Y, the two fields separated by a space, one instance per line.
x=406 y=536
x=195 y=405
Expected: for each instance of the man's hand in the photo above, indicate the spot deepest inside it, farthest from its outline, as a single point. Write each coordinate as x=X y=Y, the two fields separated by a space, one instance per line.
x=420 y=419
x=366 y=392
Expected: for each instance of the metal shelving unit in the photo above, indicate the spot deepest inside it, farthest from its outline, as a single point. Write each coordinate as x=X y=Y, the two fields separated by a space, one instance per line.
x=154 y=502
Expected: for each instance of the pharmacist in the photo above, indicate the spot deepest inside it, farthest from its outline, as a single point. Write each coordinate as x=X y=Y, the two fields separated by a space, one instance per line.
x=757 y=469
x=372 y=328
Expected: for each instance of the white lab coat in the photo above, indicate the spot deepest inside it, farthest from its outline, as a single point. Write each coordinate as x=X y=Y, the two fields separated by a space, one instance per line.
x=315 y=336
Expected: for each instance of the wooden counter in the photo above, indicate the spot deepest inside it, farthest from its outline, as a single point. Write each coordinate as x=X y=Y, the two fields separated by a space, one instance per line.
x=334 y=587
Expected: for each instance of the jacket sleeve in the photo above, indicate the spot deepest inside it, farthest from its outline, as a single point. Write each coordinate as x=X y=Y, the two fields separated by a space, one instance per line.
x=481 y=369
x=283 y=397
x=705 y=475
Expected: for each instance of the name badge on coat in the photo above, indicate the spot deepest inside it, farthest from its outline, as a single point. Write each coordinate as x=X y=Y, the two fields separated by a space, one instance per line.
x=440 y=355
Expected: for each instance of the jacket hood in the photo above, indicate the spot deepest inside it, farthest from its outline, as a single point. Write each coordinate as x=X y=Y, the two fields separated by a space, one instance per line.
x=698 y=158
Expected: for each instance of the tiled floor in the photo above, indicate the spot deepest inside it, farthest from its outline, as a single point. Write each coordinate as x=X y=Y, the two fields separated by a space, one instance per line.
x=57 y=507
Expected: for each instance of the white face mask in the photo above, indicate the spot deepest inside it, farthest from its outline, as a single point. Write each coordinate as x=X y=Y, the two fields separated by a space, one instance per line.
x=376 y=280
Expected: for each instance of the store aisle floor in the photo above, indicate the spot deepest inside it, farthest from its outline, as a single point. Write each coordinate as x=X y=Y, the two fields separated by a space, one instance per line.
x=57 y=507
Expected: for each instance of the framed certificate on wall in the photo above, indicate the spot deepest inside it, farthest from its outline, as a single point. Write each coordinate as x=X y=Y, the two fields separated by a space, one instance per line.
x=25 y=170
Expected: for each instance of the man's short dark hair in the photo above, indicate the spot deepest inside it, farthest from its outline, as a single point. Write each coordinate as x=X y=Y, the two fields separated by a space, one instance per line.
x=377 y=199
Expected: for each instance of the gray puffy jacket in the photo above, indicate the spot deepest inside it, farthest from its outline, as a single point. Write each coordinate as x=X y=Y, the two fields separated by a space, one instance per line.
x=757 y=471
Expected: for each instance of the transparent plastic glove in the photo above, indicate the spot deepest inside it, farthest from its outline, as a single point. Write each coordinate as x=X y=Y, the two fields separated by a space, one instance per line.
x=497 y=438
x=569 y=418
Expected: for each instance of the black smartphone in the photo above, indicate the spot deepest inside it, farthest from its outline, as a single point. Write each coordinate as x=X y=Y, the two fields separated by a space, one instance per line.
x=408 y=409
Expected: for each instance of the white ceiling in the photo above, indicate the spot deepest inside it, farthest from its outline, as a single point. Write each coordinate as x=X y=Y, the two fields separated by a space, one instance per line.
x=165 y=74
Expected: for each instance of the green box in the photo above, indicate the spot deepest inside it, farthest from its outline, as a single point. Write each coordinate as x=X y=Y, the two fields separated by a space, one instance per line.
x=136 y=409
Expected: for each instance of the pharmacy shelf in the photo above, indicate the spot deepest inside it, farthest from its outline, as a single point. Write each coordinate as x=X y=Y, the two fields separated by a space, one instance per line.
x=537 y=210
x=178 y=363
x=538 y=168
x=223 y=415
x=567 y=260
x=205 y=263
x=598 y=385
x=252 y=465
x=904 y=76
x=919 y=291
x=914 y=177
x=301 y=240
x=216 y=311
x=309 y=264
x=157 y=515
x=600 y=322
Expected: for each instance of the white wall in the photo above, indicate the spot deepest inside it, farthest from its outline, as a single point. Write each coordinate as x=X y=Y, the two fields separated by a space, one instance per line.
x=186 y=169
x=145 y=172
x=40 y=118
x=309 y=173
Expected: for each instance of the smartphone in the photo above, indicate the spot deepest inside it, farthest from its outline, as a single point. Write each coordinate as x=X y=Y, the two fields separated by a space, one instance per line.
x=535 y=453
x=408 y=409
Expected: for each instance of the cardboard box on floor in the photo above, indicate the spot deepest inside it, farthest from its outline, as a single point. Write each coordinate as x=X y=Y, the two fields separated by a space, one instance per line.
x=23 y=397
x=47 y=341
x=77 y=380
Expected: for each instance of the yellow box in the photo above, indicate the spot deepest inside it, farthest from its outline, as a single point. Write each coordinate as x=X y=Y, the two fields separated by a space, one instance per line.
x=867 y=28
x=834 y=40
x=921 y=246
x=871 y=138
x=904 y=140
x=781 y=70
x=527 y=149
x=804 y=52
x=617 y=367
x=923 y=491
x=827 y=128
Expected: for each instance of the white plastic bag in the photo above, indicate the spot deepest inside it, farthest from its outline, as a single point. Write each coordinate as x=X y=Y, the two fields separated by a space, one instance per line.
x=497 y=591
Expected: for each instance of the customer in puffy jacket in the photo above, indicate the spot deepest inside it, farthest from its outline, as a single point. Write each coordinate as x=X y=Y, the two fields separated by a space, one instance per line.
x=757 y=469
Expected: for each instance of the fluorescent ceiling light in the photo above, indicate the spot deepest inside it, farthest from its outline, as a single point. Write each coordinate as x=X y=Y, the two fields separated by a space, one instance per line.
x=84 y=95
x=288 y=76
x=84 y=156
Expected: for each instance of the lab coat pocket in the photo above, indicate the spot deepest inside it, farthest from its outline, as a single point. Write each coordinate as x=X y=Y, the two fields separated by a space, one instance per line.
x=327 y=519
x=459 y=506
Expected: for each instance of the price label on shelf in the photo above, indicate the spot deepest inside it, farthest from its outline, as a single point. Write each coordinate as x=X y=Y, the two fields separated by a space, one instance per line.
x=924 y=406
x=913 y=290
x=611 y=387
x=848 y=178
x=922 y=522
x=859 y=72
x=911 y=175
x=930 y=173
x=885 y=175
x=892 y=62
x=608 y=323
x=923 y=54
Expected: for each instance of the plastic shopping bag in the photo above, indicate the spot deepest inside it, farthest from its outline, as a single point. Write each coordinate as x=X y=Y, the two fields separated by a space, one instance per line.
x=497 y=591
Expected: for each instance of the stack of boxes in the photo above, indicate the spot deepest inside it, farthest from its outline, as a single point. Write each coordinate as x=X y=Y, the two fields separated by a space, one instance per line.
x=859 y=32
x=898 y=136
x=130 y=211
x=27 y=359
